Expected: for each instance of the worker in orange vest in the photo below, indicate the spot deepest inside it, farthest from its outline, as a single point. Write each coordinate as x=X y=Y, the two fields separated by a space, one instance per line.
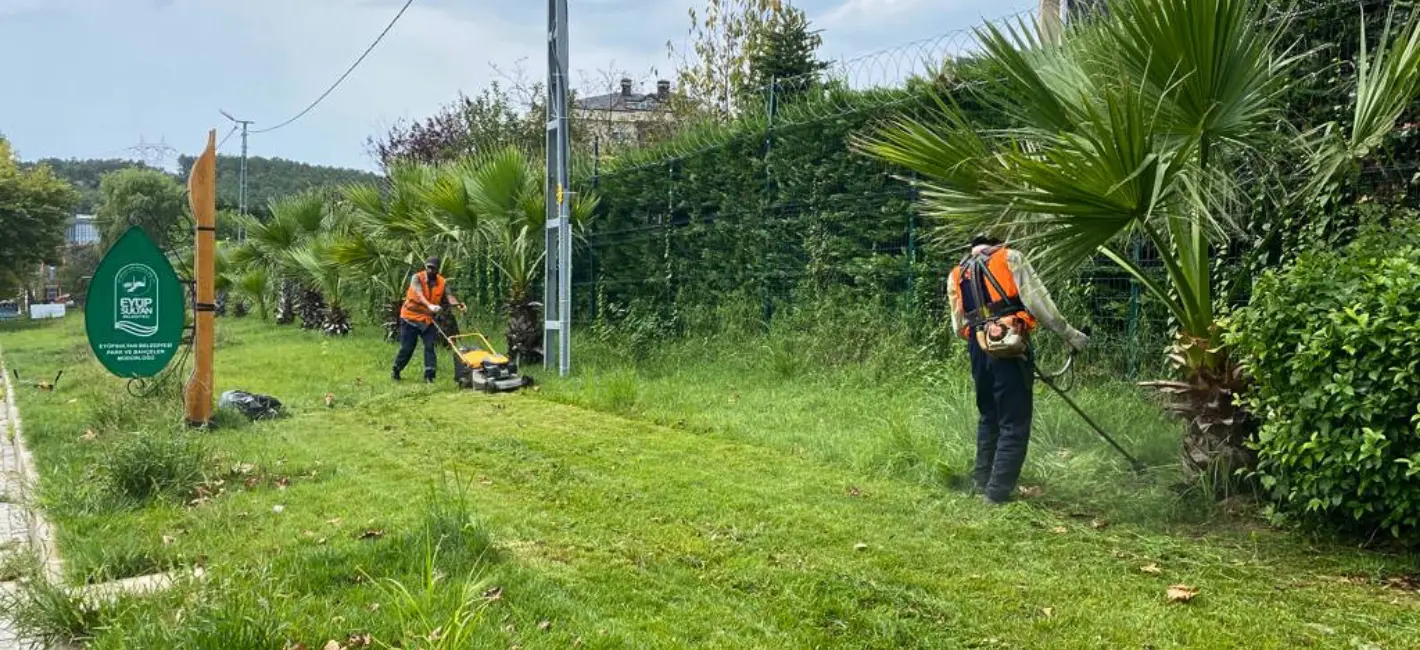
x=422 y=300
x=997 y=301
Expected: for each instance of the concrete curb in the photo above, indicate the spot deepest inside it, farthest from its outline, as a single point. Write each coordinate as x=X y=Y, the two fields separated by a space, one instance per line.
x=26 y=480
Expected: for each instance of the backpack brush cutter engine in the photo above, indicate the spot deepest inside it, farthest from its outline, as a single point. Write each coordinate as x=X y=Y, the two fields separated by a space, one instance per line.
x=486 y=369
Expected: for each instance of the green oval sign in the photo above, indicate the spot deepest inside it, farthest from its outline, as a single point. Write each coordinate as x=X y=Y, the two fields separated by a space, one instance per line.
x=134 y=311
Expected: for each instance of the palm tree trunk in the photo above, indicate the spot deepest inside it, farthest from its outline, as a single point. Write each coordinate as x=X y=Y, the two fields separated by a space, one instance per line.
x=336 y=321
x=311 y=309
x=1217 y=431
x=524 y=331
x=392 y=320
x=286 y=303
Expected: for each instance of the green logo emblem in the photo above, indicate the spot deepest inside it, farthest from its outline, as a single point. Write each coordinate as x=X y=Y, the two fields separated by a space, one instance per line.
x=136 y=300
x=134 y=312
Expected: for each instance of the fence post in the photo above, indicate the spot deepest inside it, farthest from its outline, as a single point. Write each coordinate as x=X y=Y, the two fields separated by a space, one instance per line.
x=1133 y=329
x=765 y=241
x=912 y=245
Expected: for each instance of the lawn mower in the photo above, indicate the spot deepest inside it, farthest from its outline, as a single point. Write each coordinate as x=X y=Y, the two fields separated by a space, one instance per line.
x=483 y=368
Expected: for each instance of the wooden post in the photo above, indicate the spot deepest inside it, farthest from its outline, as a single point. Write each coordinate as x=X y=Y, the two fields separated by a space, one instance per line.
x=202 y=197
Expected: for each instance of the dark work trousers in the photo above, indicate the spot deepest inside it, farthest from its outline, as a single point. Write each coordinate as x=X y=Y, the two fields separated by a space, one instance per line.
x=1004 y=399
x=409 y=335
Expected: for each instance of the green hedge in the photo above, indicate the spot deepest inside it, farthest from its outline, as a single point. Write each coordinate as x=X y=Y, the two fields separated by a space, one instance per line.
x=1333 y=346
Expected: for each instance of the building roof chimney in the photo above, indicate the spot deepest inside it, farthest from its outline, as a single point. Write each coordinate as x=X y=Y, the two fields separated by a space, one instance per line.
x=663 y=90
x=626 y=86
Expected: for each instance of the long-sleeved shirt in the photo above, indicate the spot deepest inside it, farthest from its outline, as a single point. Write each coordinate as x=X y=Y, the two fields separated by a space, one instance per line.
x=1033 y=295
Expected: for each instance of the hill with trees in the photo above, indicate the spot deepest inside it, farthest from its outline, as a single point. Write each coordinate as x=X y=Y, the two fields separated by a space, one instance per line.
x=269 y=178
x=266 y=178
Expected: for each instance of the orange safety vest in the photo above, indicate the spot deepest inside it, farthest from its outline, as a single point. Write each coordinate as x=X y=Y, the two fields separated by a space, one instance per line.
x=413 y=310
x=1000 y=303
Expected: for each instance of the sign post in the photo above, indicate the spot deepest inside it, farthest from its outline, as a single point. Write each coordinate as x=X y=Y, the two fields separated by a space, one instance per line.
x=202 y=197
x=133 y=314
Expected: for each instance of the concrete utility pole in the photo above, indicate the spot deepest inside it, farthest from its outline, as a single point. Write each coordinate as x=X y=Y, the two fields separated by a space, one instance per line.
x=1049 y=21
x=557 y=279
x=242 y=175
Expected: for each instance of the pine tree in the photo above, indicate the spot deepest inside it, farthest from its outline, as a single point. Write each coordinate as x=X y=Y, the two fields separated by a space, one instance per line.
x=784 y=55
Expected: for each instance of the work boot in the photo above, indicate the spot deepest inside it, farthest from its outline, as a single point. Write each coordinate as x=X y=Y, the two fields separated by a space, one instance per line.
x=394 y=375
x=428 y=379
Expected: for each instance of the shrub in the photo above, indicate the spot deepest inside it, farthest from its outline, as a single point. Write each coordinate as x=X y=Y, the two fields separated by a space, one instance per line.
x=151 y=464
x=1332 y=345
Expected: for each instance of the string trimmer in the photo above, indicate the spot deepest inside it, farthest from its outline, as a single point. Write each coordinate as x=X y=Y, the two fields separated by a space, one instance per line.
x=1049 y=379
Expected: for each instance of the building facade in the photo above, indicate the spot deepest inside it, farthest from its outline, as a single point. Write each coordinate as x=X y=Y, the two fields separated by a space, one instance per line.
x=624 y=118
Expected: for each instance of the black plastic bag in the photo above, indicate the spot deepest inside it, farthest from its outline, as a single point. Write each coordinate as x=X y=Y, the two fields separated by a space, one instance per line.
x=255 y=407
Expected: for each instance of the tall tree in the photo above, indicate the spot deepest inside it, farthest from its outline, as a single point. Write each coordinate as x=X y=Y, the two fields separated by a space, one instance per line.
x=716 y=69
x=468 y=126
x=784 y=55
x=149 y=198
x=35 y=208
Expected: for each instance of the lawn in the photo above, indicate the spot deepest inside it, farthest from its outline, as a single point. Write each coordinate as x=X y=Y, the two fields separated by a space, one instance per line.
x=705 y=495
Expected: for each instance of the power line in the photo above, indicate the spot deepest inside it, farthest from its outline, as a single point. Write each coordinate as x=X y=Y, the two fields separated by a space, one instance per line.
x=227 y=137
x=342 y=78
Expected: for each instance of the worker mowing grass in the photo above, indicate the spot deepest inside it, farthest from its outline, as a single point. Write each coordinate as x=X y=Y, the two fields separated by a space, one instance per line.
x=422 y=300
x=997 y=302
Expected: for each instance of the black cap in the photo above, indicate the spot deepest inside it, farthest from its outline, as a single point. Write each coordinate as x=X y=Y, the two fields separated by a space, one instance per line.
x=433 y=261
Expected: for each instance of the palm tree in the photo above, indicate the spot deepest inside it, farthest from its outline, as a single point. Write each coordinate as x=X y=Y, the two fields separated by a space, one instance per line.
x=294 y=219
x=327 y=278
x=253 y=285
x=1145 y=123
x=390 y=235
x=493 y=205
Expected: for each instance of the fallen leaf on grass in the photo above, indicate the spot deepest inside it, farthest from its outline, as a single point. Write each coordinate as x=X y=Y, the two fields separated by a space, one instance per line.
x=332 y=645
x=853 y=491
x=168 y=540
x=1151 y=569
x=544 y=625
x=278 y=508
x=294 y=646
x=371 y=533
x=1099 y=524
x=860 y=547
x=1059 y=530
x=374 y=607
x=358 y=641
x=1032 y=491
x=335 y=522
x=495 y=593
x=89 y=435
x=251 y=482
x=1180 y=593
x=329 y=400
x=243 y=468
x=1048 y=611
x=282 y=483
x=437 y=634
x=308 y=533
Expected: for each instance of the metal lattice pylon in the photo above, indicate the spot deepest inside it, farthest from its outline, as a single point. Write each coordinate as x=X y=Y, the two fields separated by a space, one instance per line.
x=557 y=281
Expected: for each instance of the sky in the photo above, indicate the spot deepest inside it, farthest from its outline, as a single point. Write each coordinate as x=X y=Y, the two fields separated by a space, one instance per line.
x=93 y=78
